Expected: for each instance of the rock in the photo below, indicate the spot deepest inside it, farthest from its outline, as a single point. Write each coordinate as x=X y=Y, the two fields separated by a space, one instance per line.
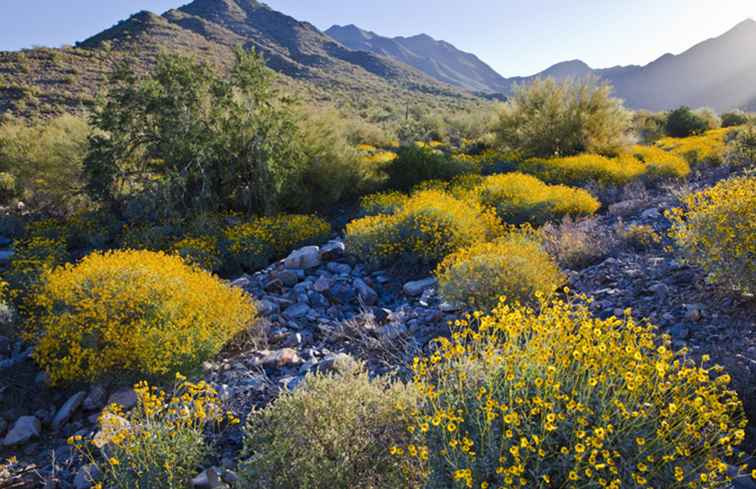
x=5 y=241
x=334 y=363
x=24 y=429
x=68 y=409
x=342 y=293
x=230 y=477
x=322 y=284
x=5 y=346
x=367 y=295
x=266 y=307
x=381 y=314
x=87 y=477
x=3 y=426
x=208 y=479
x=416 y=288
x=6 y=255
x=126 y=398
x=297 y=311
x=303 y=258
x=694 y=312
x=450 y=307
x=679 y=332
x=332 y=250
x=287 y=277
x=241 y=282
x=281 y=358
x=660 y=290
x=339 y=268
x=651 y=214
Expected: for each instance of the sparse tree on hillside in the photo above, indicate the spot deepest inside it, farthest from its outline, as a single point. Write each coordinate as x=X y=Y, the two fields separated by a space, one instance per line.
x=190 y=139
x=549 y=118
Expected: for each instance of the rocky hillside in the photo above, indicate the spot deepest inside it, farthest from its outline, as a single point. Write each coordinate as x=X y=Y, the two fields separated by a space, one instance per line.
x=48 y=80
x=438 y=59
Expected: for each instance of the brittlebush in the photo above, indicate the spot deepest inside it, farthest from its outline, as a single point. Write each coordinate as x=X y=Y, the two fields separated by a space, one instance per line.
x=429 y=226
x=558 y=398
x=708 y=148
x=716 y=230
x=135 y=312
x=515 y=266
x=161 y=442
x=520 y=199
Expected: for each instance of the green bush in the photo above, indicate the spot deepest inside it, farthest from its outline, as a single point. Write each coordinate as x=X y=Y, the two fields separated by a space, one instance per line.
x=742 y=150
x=45 y=160
x=415 y=165
x=332 y=432
x=382 y=203
x=547 y=118
x=649 y=126
x=515 y=267
x=683 y=122
x=520 y=199
x=732 y=119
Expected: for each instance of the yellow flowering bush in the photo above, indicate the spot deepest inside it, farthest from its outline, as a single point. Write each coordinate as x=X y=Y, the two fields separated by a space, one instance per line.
x=136 y=312
x=559 y=398
x=716 y=230
x=429 y=226
x=382 y=203
x=254 y=244
x=660 y=163
x=203 y=252
x=581 y=169
x=331 y=432
x=520 y=198
x=32 y=257
x=161 y=442
x=708 y=148
x=514 y=266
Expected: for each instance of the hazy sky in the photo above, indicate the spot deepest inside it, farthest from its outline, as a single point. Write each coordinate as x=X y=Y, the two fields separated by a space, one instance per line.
x=516 y=37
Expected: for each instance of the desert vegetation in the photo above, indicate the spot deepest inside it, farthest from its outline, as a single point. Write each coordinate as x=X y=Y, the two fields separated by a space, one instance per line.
x=219 y=251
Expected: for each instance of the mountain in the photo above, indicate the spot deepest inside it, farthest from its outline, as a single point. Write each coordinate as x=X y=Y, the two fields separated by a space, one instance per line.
x=49 y=80
x=437 y=59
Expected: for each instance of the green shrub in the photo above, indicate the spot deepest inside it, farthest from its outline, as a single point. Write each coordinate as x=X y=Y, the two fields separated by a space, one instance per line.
x=414 y=165
x=45 y=158
x=742 y=150
x=732 y=119
x=33 y=256
x=520 y=199
x=649 y=126
x=131 y=313
x=683 y=122
x=203 y=252
x=716 y=230
x=382 y=203
x=332 y=432
x=515 y=267
x=548 y=118
x=553 y=397
x=255 y=244
x=428 y=227
x=640 y=237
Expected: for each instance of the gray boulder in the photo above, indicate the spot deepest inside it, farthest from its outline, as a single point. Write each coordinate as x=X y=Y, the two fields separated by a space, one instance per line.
x=24 y=429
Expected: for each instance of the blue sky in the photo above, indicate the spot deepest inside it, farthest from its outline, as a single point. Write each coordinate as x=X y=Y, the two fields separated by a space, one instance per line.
x=514 y=36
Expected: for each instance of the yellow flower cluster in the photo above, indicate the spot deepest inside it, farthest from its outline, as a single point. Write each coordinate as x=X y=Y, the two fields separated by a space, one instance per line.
x=256 y=243
x=717 y=231
x=202 y=251
x=382 y=203
x=708 y=148
x=428 y=227
x=136 y=311
x=373 y=156
x=520 y=198
x=660 y=163
x=515 y=266
x=558 y=398
x=161 y=441
x=32 y=257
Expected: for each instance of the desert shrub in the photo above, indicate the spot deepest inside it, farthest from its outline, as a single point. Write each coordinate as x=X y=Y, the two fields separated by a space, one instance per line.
x=716 y=230
x=649 y=126
x=640 y=237
x=382 y=203
x=660 y=163
x=33 y=256
x=462 y=185
x=191 y=139
x=577 y=243
x=732 y=119
x=203 y=252
x=742 y=150
x=708 y=148
x=45 y=159
x=428 y=227
x=158 y=444
x=515 y=267
x=414 y=165
x=254 y=244
x=548 y=118
x=148 y=236
x=520 y=199
x=333 y=431
x=135 y=312
x=554 y=397
x=710 y=117
x=683 y=122
x=586 y=168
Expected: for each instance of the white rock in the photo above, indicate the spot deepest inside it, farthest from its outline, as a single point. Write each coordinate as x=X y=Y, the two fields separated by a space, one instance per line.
x=67 y=410
x=416 y=288
x=303 y=258
x=24 y=429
